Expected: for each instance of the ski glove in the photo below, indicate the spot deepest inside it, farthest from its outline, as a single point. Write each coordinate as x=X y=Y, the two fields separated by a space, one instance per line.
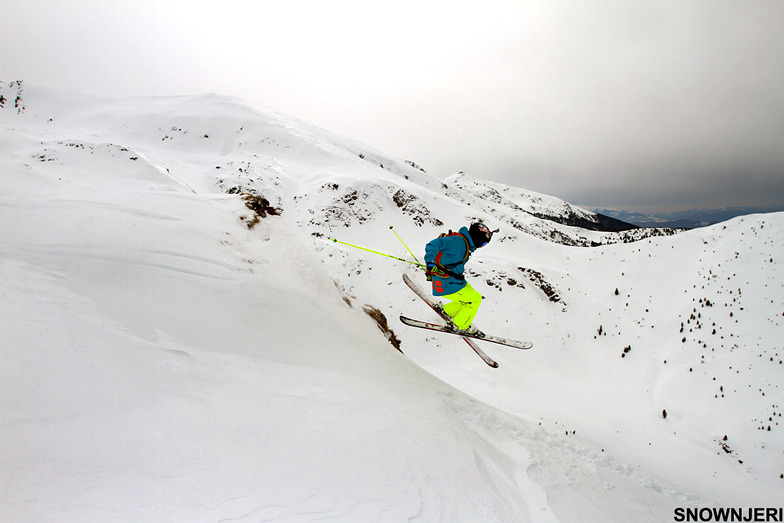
x=429 y=273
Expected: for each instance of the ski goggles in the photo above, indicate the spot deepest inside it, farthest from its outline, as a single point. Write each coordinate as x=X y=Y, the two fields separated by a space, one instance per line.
x=487 y=233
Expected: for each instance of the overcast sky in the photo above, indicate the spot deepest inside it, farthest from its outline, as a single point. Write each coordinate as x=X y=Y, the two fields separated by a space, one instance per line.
x=640 y=105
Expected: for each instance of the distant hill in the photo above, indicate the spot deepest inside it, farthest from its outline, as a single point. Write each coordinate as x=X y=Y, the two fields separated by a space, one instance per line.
x=689 y=219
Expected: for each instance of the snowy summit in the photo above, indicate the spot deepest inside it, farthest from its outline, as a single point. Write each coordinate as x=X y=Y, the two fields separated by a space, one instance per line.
x=181 y=341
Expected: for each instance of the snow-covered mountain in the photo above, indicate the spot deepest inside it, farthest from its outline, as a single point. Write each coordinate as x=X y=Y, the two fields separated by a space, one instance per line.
x=182 y=342
x=517 y=201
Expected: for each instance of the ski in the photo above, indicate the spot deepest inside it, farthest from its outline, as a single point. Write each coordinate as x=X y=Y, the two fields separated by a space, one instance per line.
x=524 y=345
x=444 y=328
x=449 y=330
x=487 y=359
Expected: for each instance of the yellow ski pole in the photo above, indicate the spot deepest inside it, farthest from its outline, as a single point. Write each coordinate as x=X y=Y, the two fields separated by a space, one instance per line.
x=404 y=244
x=377 y=252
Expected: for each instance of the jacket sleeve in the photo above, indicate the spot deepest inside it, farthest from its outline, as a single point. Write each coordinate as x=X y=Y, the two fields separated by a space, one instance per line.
x=431 y=250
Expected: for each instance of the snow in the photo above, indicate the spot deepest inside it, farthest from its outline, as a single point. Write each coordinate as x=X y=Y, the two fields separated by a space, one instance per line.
x=162 y=361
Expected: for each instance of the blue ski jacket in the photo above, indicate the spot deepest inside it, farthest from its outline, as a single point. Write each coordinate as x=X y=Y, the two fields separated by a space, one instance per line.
x=445 y=257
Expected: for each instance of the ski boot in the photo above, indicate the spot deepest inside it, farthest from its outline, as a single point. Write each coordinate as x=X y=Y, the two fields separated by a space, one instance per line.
x=471 y=331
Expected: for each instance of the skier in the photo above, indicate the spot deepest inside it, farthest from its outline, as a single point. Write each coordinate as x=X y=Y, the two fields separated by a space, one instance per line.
x=445 y=258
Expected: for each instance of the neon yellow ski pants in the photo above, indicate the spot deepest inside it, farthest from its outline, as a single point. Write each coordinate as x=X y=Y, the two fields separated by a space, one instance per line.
x=463 y=306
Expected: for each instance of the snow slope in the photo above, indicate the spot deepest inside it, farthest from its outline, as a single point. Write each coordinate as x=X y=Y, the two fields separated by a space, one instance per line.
x=162 y=361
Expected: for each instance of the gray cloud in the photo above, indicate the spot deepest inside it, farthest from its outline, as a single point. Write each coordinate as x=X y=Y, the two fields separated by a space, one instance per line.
x=617 y=103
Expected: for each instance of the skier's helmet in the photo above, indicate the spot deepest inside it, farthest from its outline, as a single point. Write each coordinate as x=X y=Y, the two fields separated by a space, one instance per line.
x=480 y=234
